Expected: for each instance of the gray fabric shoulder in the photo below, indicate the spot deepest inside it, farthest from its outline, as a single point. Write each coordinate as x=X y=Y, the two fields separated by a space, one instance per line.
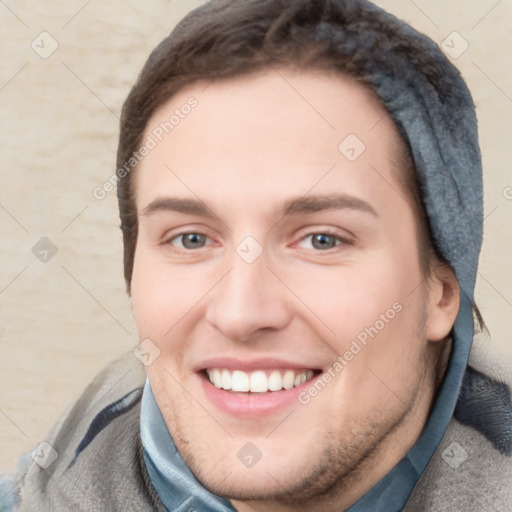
x=466 y=473
x=471 y=469
x=99 y=455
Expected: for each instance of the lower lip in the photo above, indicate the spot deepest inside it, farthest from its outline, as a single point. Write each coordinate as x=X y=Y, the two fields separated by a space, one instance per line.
x=251 y=405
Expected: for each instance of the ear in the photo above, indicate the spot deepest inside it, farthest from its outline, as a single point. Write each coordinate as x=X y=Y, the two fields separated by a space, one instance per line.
x=443 y=302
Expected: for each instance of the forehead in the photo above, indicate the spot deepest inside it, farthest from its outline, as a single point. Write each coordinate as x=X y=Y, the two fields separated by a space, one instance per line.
x=268 y=132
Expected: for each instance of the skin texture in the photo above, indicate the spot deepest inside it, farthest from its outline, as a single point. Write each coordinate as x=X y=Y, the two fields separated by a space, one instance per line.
x=251 y=144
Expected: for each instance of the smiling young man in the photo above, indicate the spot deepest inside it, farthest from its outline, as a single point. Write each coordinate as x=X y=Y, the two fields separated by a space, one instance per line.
x=301 y=207
x=229 y=324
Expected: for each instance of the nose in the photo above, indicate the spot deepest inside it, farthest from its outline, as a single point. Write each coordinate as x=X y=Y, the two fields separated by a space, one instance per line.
x=248 y=301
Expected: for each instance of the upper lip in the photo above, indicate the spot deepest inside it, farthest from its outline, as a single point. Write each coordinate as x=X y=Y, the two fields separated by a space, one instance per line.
x=248 y=365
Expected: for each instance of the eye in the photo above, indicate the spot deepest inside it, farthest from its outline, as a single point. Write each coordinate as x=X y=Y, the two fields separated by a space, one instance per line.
x=321 y=241
x=190 y=241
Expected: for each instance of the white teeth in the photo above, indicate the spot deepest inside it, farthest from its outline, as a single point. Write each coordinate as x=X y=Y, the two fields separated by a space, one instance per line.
x=226 y=379
x=239 y=381
x=275 y=381
x=216 y=378
x=259 y=381
x=288 y=379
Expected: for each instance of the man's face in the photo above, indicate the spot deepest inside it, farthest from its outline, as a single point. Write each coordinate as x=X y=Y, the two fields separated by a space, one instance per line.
x=273 y=244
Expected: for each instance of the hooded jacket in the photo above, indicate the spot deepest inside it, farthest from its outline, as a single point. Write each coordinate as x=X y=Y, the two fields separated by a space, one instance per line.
x=101 y=464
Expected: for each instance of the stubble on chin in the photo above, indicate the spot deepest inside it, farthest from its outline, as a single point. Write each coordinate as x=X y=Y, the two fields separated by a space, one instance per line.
x=331 y=467
x=326 y=470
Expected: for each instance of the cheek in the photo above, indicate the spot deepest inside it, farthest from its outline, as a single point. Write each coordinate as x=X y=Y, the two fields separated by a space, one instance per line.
x=160 y=298
x=364 y=302
x=348 y=299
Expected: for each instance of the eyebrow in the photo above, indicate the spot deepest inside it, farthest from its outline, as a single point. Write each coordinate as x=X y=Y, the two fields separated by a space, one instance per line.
x=177 y=204
x=294 y=206
x=317 y=203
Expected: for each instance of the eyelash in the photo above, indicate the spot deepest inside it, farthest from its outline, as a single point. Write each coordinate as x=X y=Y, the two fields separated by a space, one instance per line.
x=184 y=234
x=340 y=241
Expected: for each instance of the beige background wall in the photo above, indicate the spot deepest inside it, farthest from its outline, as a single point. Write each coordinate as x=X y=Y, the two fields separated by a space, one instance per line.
x=63 y=319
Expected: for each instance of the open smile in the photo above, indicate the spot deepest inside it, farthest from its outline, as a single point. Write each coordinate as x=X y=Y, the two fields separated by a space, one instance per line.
x=249 y=391
x=259 y=381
